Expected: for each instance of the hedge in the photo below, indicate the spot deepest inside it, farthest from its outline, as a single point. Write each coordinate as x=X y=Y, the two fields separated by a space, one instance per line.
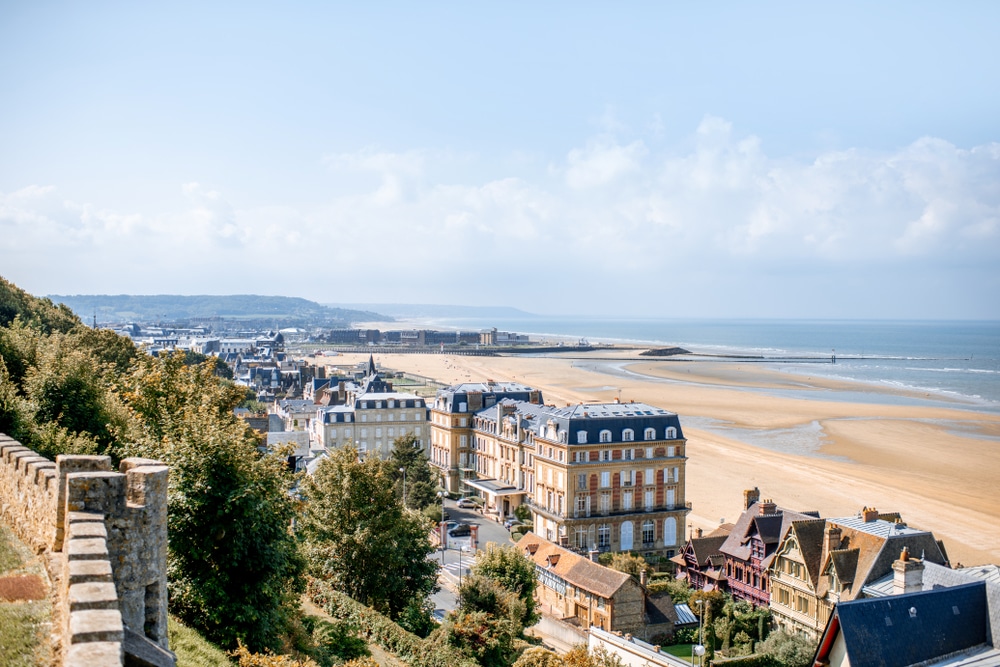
x=381 y=630
x=755 y=660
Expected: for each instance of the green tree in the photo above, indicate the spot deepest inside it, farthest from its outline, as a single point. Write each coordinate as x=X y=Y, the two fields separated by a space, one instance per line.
x=630 y=564
x=479 y=593
x=789 y=650
x=359 y=538
x=538 y=657
x=509 y=567
x=408 y=454
x=233 y=564
x=487 y=639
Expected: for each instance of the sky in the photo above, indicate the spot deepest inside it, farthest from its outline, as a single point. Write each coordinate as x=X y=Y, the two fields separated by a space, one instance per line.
x=730 y=160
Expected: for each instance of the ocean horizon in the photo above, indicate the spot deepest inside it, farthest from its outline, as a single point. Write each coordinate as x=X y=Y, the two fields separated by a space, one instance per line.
x=954 y=360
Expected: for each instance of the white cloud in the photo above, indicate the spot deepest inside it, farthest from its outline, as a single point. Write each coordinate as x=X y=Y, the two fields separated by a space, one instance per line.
x=609 y=213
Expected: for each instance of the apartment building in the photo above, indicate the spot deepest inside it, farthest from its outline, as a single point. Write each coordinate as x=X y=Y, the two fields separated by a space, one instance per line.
x=599 y=476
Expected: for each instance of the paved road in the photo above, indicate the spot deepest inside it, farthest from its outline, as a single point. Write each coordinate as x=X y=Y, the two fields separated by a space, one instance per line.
x=456 y=560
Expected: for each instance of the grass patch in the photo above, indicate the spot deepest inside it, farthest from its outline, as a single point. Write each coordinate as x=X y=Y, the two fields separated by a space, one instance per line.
x=679 y=651
x=24 y=630
x=10 y=555
x=192 y=649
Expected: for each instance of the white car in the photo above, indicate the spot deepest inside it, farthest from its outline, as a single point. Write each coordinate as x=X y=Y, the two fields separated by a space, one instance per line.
x=467 y=503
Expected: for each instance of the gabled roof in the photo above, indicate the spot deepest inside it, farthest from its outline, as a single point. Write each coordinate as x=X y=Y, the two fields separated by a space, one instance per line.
x=706 y=547
x=737 y=546
x=844 y=563
x=907 y=629
x=809 y=536
x=573 y=568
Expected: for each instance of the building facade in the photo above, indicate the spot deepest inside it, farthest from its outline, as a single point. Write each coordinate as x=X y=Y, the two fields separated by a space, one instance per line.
x=372 y=417
x=599 y=476
x=824 y=562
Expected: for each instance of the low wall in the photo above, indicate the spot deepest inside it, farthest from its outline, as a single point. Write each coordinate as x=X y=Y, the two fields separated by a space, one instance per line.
x=106 y=534
x=632 y=652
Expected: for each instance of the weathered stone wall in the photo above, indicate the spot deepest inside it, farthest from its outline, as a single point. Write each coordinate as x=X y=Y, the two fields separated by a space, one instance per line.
x=107 y=532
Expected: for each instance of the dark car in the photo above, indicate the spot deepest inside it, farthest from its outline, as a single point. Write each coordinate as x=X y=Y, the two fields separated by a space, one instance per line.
x=461 y=530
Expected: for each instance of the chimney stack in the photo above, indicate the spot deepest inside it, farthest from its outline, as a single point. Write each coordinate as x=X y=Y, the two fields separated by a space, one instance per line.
x=593 y=554
x=869 y=514
x=643 y=577
x=768 y=507
x=699 y=532
x=831 y=540
x=750 y=496
x=907 y=574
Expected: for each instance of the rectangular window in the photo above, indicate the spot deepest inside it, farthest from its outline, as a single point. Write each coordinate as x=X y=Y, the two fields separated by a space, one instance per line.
x=670 y=452
x=628 y=477
x=333 y=433
x=649 y=499
x=416 y=430
x=648 y=530
x=605 y=479
x=463 y=441
x=364 y=433
x=628 y=454
x=580 y=457
x=604 y=536
x=581 y=481
x=649 y=452
x=649 y=477
x=378 y=432
x=606 y=455
x=605 y=501
x=626 y=501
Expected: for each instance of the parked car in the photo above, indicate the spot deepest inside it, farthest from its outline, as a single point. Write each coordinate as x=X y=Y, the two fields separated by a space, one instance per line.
x=461 y=530
x=510 y=523
x=467 y=503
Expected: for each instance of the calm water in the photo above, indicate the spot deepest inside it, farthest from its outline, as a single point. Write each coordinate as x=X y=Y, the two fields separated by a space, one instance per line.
x=955 y=360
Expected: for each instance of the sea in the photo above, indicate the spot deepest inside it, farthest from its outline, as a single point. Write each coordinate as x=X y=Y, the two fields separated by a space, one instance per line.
x=934 y=363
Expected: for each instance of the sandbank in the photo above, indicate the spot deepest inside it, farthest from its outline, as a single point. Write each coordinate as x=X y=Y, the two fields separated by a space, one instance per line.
x=937 y=466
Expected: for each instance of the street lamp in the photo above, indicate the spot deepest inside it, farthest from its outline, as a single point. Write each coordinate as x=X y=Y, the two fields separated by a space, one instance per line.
x=403 y=470
x=440 y=495
x=699 y=648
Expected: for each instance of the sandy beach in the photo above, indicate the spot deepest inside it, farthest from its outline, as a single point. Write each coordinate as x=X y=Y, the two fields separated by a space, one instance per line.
x=789 y=435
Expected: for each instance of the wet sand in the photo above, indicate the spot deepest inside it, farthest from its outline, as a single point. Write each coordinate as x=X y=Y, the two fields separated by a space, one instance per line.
x=937 y=466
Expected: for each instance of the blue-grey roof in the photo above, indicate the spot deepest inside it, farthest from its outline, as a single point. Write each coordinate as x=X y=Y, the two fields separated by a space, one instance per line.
x=455 y=399
x=878 y=527
x=906 y=629
x=684 y=615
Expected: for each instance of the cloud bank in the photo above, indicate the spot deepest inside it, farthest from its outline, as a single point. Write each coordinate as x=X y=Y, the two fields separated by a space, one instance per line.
x=613 y=226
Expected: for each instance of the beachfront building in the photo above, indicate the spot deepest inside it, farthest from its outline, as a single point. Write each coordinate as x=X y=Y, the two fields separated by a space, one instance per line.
x=751 y=546
x=822 y=562
x=598 y=476
x=371 y=418
x=452 y=451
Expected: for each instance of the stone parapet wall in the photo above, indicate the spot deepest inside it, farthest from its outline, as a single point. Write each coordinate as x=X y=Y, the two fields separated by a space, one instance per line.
x=107 y=533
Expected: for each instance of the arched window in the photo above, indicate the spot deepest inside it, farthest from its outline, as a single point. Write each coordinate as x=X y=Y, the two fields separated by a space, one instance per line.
x=669 y=531
x=671 y=433
x=581 y=437
x=628 y=435
x=605 y=436
x=650 y=434
x=562 y=437
x=626 y=536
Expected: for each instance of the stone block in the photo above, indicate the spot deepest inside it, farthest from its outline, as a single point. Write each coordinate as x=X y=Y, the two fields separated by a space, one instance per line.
x=92 y=595
x=36 y=471
x=94 y=654
x=96 y=625
x=85 y=529
x=24 y=462
x=135 y=462
x=147 y=486
x=86 y=571
x=90 y=548
x=74 y=517
x=68 y=463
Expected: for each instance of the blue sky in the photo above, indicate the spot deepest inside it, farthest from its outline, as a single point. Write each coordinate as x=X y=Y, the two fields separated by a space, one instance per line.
x=645 y=159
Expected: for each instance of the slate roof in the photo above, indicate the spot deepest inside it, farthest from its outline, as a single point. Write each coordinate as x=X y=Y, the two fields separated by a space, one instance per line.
x=903 y=630
x=809 y=535
x=660 y=609
x=573 y=568
x=738 y=546
x=706 y=547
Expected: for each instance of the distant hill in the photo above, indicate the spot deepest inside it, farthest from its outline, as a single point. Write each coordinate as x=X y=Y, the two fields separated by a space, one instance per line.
x=47 y=316
x=174 y=308
x=413 y=311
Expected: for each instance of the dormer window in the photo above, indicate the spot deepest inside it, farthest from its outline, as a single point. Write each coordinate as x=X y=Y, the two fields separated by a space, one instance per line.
x=605 y=436
x=581 y=437
x=628 y=435
x=671 y=433
x=650 y=434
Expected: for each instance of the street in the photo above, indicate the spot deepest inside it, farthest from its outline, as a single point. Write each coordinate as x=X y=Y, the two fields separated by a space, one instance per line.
x=458 y=557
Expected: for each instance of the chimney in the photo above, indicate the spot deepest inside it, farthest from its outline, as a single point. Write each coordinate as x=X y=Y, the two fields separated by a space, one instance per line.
x=869 y=514
x=907 y=574
x=831 y=540
x=593 y=554
x=643 y=577
x=698 y=532
x=768 y=507
x=750 y=496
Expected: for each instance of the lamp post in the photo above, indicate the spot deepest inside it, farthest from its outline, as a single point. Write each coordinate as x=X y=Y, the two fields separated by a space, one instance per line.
x=699 y=648
x=441 y=498
x=403 y=470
